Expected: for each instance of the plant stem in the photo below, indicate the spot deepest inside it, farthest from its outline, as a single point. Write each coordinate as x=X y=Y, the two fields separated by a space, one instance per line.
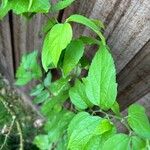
x=121 y=119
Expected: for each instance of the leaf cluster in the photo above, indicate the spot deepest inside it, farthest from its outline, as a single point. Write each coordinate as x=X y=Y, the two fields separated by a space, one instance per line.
x=79 y=109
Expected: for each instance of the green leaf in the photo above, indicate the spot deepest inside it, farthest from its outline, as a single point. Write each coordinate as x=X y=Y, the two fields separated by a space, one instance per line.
x=57 y=124
x=37 y=90
x=138 y=121
x=24 y=6
x=99 y=23
x=101 y=87
x=49 y=24
x=62 y=143
x=115 y=108
x=61 y=5
x=48 y=79
x=30 y=4
x=54 y=105
x=87 y=22
x=42 y=142
x=73 y=53
x=137 y=143
x=23 y=77
x=81 y=130
x=4 y=3
x=41 y=97
x=28 y=69
x=59 y=86
x=55 y=41
x=117 y=142
x=78 y=96
x=4 y=10
x=89 y=40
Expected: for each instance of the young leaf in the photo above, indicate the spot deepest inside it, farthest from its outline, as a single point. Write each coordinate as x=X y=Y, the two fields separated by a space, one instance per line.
x=42 y=142
x=59 y=86
x=57 y=124
x=138 y=121
x=61 y=5
x=115 y=108
x=41 y=97
x=37 y=90
x=49 y=24
x=55 y=41
x=117 y=142
x=73 y=53
x=82 y=128
x=23 y=77
x=28 y=69
x=54 y=105
x=89 y=40
x=78 y=96
x=87 y=22
x=99 y=23
x=48 y=79
x=101 y=87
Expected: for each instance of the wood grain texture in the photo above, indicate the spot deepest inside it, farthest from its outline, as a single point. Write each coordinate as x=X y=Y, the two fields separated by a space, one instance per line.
x=134 y=79
x=6 y=59
x=127 y=25
x=27 y=35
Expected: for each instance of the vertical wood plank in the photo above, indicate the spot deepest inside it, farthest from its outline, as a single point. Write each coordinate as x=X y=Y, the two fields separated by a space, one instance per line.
x=127 y=26
x=134 y=79
x=6 y=58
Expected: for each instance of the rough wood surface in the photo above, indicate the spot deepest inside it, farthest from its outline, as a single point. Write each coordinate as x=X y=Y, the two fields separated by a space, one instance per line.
x=127 y=25
x=6 y=59
x=134 y=79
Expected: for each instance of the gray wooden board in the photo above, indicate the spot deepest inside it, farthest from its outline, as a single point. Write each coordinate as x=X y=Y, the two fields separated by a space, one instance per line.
x=134 y=79
x=6 y=58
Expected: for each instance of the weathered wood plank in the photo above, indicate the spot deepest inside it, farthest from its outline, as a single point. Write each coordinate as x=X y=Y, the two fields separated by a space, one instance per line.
x=127 y=25
x=6 y=57
x=134 y=79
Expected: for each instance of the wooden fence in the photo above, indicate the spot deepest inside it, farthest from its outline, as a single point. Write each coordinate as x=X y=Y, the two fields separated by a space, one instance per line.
x=127 y=32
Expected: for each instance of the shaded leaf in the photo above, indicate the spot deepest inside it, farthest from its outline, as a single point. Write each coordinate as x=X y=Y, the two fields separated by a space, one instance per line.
x=42 y=142
x=28 y=69
x=37 y=90
x=73 y=53
x=54 y=104
x=48 y=79
x=89 y=40
x=87 y=22
x=41 y=97
x=61 y=5
x=78 y=96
